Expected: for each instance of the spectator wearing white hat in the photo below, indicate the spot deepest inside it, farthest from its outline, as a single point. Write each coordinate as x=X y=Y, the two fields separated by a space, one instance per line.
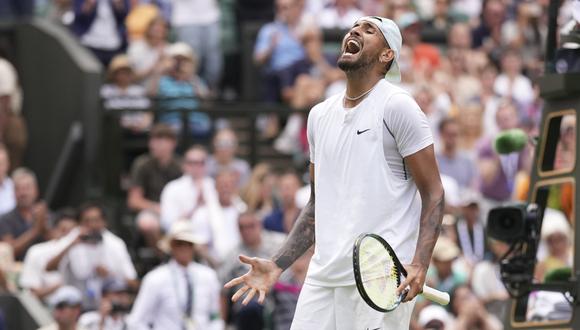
x=197 y=23
x=434 y=317
x=557 y=239
x=181 y=294
x=471 y=238
x=180 y=88
x=66 y=308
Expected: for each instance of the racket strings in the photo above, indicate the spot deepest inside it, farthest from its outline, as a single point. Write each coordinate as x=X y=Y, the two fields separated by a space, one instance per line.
x=379 y=274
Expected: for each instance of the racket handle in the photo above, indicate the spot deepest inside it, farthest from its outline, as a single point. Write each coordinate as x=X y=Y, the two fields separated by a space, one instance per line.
x=434 y=295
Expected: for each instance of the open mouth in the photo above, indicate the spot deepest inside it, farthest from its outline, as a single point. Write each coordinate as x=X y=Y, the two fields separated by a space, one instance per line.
x=352 y=47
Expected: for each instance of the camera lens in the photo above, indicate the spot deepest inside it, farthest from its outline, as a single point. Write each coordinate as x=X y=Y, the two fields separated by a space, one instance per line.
x=507 y=223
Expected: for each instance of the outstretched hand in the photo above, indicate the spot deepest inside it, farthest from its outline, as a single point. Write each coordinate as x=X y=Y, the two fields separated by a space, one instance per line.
x=414 y=281
x=262 y=275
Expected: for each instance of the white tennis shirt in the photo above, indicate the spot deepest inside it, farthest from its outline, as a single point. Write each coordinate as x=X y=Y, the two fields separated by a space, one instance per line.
x=361 y=182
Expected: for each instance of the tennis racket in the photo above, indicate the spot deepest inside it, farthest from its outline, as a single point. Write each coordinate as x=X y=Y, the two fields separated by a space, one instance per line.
x=377 y=272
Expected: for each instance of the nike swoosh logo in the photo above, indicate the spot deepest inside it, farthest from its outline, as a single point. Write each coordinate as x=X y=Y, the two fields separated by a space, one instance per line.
x=360 y=132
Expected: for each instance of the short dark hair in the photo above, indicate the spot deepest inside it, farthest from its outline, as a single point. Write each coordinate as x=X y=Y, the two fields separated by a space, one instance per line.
x=65 y=213
x=160 y=131
x=84 y=207
x=445 y=122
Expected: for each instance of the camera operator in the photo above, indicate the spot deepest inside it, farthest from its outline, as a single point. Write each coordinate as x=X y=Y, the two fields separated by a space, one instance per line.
x=114 y=307
x=92 y=255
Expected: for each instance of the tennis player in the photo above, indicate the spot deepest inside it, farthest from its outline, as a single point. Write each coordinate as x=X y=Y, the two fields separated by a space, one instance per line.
x=371 y=150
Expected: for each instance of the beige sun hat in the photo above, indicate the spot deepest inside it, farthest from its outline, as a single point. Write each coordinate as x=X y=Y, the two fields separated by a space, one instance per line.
x=182 y=230
x=445 y=249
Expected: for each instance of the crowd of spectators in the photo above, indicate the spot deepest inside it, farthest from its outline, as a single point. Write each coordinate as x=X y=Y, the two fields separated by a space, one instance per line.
x=472 y=66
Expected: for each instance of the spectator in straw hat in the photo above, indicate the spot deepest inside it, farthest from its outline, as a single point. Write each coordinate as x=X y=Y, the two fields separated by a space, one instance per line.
x=181 y=294
x=120 y=92
x=446 y=274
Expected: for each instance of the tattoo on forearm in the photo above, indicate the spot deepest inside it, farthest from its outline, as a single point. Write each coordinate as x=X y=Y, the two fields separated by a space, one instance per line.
x=431 y=218
x=299 y=240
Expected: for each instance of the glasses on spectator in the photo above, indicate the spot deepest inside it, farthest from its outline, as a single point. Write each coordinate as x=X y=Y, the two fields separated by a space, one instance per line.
x=195 y=162
x=225 y=144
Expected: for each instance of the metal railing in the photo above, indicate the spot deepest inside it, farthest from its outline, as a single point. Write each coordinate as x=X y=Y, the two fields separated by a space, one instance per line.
x=115 y=142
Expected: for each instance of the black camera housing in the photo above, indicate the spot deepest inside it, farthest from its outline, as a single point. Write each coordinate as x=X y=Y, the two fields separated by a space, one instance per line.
x=513 y=222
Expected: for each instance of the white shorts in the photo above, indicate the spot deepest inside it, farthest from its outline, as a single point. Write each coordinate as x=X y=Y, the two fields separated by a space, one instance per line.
x=342 y=308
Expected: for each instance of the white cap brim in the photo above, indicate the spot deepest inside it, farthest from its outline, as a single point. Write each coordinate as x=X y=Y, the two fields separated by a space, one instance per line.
x=393 y=37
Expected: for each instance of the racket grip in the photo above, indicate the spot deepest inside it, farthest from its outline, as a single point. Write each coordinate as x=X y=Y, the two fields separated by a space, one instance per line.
x=437 y=296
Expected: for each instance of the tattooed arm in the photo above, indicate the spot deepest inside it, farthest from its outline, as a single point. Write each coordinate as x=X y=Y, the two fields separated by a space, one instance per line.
x=425 y=172
x=264 y=273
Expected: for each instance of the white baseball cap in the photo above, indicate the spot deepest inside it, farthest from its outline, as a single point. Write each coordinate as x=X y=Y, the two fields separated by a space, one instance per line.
x=394 y=39
x=68 y=295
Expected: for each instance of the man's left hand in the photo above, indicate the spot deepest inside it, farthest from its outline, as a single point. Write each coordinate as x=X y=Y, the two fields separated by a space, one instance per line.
x=414 y=281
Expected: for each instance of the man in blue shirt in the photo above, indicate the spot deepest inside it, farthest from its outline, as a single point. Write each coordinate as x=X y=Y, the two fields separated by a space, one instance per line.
x=278 y=45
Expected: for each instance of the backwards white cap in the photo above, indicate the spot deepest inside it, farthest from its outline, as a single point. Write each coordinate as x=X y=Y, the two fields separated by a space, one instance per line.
x=394 y=39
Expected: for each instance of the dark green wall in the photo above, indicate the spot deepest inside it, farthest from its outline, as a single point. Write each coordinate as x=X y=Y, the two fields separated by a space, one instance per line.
x=60 y=82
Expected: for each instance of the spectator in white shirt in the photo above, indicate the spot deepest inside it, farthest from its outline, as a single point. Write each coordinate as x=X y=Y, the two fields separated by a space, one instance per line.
x=341 y=15
x=182 y=196
x=34 y=275
x=7 y=199
x=219 y=225
x=92 y=255
x=181 y=294
x=149 y=54
x=511 y=83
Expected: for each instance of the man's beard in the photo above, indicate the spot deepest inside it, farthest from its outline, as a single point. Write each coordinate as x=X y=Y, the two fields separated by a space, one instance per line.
x=362 y=64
